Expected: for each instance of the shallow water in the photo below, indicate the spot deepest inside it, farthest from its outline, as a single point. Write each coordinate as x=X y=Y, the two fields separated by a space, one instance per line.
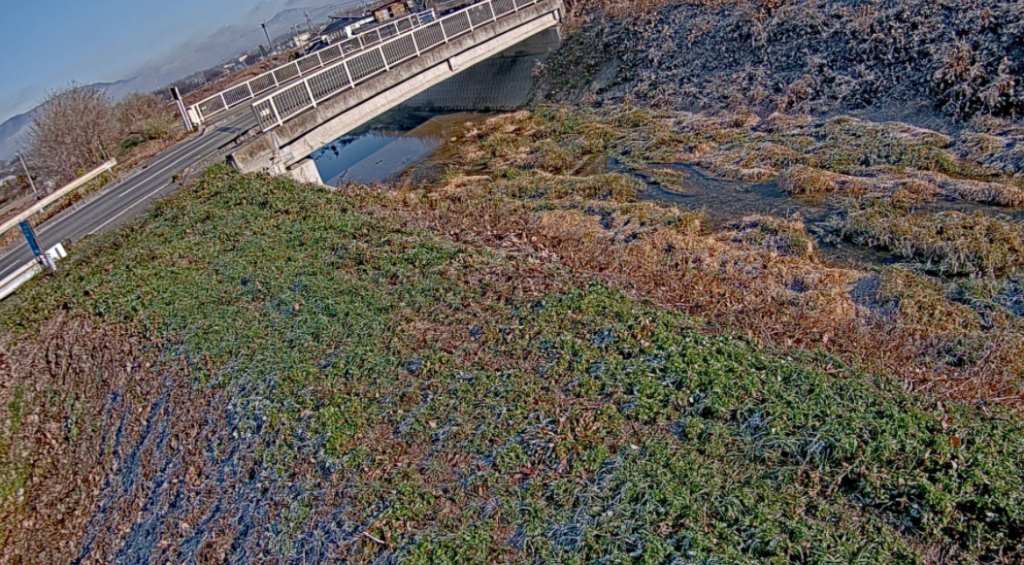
x=403 y=143
x=725 y=201
x=387 y=147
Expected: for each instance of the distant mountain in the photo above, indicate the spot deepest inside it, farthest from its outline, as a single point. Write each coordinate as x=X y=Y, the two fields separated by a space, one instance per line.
x=291 y=16
x=222 y=45
x=14 y=132
x=227 y=43
x=118 y=89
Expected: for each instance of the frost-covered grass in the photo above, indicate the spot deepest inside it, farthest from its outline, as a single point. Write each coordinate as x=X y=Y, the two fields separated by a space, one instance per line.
x=327 y=382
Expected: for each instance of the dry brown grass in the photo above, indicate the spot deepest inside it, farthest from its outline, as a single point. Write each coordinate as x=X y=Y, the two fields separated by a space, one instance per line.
x=805 y=155
x=760 y=276
x=804 y=180
x=913 y=191
x=981 y=192
x=784 y=297
x=56 y=386
x=950 y=243
x=538 y=184
x=775 y=236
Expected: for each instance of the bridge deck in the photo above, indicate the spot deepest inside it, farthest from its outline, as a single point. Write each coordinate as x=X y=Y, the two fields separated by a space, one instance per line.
x=348 y=73
x=301 y=118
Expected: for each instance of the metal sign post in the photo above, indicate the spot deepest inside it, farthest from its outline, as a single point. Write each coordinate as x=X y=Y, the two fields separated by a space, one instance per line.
x=33 y=243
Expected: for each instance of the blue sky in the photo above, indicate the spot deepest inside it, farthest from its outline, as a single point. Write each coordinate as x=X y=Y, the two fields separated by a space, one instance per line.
x=45 y=44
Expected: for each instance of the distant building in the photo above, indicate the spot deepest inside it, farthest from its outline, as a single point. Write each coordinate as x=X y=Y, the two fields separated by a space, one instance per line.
x=344 y=28
x=445 y=6
x=391 y=9
x=347 y=27
x=301 y=40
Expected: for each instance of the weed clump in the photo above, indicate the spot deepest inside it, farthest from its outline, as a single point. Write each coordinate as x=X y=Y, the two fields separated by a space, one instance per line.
x=775 y=235
x=803 y=180
x=948 y=243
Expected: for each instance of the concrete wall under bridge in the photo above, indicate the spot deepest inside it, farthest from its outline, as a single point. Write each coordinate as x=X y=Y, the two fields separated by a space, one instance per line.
x=503 y=82
x=286 y=148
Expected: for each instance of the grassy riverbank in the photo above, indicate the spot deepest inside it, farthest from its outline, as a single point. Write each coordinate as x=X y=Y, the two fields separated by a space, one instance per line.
x=531 y=358
x=262 y=368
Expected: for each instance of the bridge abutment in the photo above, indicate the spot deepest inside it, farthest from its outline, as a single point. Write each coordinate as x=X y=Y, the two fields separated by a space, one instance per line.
x=305 y=171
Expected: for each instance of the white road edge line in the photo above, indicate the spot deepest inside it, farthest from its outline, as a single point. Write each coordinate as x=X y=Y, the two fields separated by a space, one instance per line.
x=200 y=147
x=14 y=249
x=40 y=230
x=17 y=248
x=125 y=211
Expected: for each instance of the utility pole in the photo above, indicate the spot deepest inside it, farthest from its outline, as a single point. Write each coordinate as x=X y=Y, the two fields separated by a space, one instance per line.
x=270 y=44
x=309 y=22
x=31 y=182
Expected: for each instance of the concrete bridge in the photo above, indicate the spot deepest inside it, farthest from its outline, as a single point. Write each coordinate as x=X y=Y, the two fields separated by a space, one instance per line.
x=298 y=119
x=489 y=36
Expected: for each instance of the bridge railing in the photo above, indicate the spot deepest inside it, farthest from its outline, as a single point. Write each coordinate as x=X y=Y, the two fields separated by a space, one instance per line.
x=274 y=78
x=273 y=110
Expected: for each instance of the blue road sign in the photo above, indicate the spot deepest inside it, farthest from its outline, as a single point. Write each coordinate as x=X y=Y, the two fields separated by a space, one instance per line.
x=30 y=235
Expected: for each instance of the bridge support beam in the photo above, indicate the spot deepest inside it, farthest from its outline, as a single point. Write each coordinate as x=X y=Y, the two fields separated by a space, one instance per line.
x=305 y=171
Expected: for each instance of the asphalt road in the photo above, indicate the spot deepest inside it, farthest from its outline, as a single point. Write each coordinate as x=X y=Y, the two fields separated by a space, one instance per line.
x=126 y=199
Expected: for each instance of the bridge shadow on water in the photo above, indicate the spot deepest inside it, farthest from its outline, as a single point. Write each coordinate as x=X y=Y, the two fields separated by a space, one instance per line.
x=389 y=145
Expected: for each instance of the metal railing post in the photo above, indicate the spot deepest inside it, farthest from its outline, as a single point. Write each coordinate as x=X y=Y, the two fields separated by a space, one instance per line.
x=415 y=44
x=223 y=101
x=348 y=73
x=249 y=86
x=273 y=106
x=384 y=58
x=494 y=15
x=309 y=91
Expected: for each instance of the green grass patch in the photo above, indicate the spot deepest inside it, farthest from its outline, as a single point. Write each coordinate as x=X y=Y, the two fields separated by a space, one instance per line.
x=451 y=418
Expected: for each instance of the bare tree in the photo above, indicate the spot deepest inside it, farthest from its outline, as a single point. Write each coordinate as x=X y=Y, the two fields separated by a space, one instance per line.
x=68 y=133
x=141 y=113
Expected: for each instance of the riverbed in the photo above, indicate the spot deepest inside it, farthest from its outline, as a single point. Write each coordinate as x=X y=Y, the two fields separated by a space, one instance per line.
x=405 y=145
x=388 y=147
